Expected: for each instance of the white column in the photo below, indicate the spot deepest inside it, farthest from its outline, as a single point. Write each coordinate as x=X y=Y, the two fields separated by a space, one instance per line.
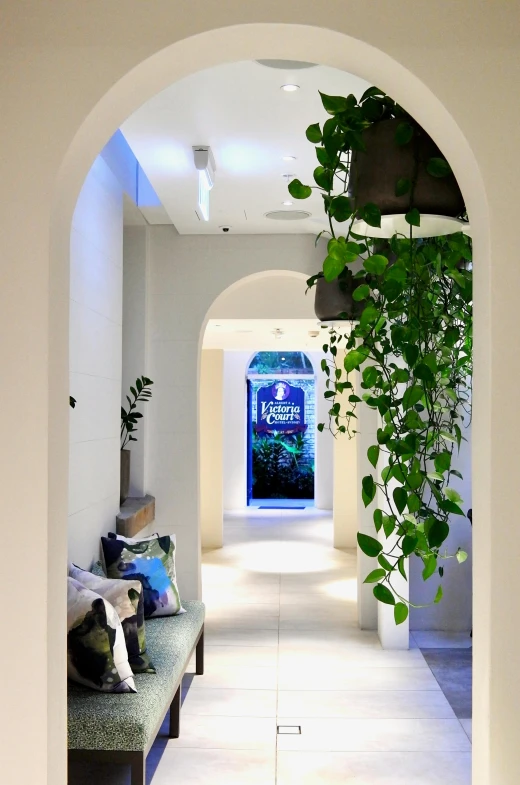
x=135 y=337
x=235 y=429
x=366 y=425
x=211 y=448
x=325 y=446
x=346 y=485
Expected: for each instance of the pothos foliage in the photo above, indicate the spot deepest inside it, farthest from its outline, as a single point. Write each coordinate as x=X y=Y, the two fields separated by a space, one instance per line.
x=410 y=353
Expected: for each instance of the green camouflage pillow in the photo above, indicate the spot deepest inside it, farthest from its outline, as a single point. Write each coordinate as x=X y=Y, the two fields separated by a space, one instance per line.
x=151 y=561
x=127 y=598
x=96 y=648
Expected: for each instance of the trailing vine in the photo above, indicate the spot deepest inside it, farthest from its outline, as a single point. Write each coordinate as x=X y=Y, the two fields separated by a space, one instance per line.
x=409 y=357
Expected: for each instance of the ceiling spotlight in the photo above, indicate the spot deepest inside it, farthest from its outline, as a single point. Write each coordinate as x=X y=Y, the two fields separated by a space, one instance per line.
x=290 y=88
x=288 y=158
x=287 y=204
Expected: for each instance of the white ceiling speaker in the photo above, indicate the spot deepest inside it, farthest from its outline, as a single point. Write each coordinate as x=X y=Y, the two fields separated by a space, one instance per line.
x=205 y=164
x=287 y=65
x=287 y=215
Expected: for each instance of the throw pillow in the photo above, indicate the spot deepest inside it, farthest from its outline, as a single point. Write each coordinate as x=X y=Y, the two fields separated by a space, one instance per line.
x=128 y=600
x=152 y=561
x=96 y=648
x=98 y=569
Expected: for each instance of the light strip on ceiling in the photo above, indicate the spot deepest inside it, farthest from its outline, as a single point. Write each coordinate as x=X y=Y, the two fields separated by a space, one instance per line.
x=205 y=164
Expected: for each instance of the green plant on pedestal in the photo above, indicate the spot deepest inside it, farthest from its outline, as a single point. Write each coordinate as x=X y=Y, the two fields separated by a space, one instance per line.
x=411 y=349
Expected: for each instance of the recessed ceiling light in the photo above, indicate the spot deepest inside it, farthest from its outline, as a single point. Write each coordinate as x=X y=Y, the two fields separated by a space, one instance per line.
x=288 y=158
x=290 y=88
x=287 y=204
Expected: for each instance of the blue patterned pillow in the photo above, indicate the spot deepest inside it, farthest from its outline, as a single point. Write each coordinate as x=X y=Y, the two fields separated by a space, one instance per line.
x=152 y=561
x=96 y=648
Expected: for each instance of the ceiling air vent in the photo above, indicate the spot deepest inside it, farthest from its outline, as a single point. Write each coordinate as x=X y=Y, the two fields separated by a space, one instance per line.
x=287 y=215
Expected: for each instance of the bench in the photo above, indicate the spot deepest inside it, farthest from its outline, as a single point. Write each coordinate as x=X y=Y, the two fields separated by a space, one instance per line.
x=121 y=727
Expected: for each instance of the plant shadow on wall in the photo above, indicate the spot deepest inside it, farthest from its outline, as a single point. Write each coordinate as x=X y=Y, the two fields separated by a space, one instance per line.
x=280 y=468
x=410 y=346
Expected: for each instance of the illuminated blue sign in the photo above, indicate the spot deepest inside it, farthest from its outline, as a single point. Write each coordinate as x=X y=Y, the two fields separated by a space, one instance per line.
x=280 y=407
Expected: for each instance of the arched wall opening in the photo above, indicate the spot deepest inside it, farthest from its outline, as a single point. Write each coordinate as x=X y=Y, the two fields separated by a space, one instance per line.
x=258 y=302
x=89 y=135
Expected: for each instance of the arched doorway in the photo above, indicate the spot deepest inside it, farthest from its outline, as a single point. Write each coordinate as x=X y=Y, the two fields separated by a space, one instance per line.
x=281 y=430
x=93 y=131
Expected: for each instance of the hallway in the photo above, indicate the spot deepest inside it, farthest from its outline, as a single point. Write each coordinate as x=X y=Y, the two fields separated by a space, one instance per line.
x=283 y=648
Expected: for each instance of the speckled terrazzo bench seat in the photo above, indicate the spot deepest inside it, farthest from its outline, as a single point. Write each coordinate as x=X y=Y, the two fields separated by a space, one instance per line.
x=122 y=727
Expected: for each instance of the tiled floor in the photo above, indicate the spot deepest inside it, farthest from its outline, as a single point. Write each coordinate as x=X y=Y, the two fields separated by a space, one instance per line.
x=283 y=647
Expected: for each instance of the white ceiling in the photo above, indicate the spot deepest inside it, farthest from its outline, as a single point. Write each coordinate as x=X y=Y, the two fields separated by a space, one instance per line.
x=250 y=124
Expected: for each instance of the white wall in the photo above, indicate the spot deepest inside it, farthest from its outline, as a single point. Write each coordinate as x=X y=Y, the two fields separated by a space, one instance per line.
x=211 y=402
x=96 y=257
x=235 y=429
x=135 y=341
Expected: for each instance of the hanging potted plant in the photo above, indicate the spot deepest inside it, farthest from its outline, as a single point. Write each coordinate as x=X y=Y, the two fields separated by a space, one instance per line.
x=376 y=164
x=140 y=394
x=412 y=346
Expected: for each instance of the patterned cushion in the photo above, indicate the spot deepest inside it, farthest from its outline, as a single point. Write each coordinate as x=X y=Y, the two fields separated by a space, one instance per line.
x=127 y=598
x=128 y=722
x=152 y=561
x=98 y=569
x=96 y=648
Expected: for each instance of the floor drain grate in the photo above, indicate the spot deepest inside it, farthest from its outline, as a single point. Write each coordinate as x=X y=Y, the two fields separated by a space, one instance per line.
x=294 y=729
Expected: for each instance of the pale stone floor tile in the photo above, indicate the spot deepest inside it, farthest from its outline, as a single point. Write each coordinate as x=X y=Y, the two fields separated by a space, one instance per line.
x=215 y=767
x=241 y=612
x=236 y=733
x=364 y=704
x=357 y=735
x=245 y=623
x=242 y=677
x=254 y=656
x=231 y=636
x=230 y=702
x=369 y=768
x=344 y=676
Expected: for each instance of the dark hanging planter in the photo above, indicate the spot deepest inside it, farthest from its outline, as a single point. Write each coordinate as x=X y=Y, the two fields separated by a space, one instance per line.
x=375 y=173
x=333 y=300
x=125 y=476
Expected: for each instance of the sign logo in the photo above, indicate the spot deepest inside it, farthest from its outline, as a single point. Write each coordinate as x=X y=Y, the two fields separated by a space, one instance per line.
x=281 y=391
x=280 y=407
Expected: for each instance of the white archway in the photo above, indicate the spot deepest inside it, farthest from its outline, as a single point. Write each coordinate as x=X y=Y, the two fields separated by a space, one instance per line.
x=266 y=295
x=188 y=55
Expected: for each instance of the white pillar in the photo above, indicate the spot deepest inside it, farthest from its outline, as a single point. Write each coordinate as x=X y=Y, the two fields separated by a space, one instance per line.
x=346 y=484
x=211 y=447
x=366 y=425
x=235 y=429
x=135 y=335
x=325 y=446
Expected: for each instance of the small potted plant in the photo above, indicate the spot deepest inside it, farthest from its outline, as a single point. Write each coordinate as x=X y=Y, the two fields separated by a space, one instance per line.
x=140 y=394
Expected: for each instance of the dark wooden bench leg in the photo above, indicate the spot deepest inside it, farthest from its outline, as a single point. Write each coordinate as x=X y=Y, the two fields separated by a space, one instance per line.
x=175 y=714
x=138 y=768
x=199 y=655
